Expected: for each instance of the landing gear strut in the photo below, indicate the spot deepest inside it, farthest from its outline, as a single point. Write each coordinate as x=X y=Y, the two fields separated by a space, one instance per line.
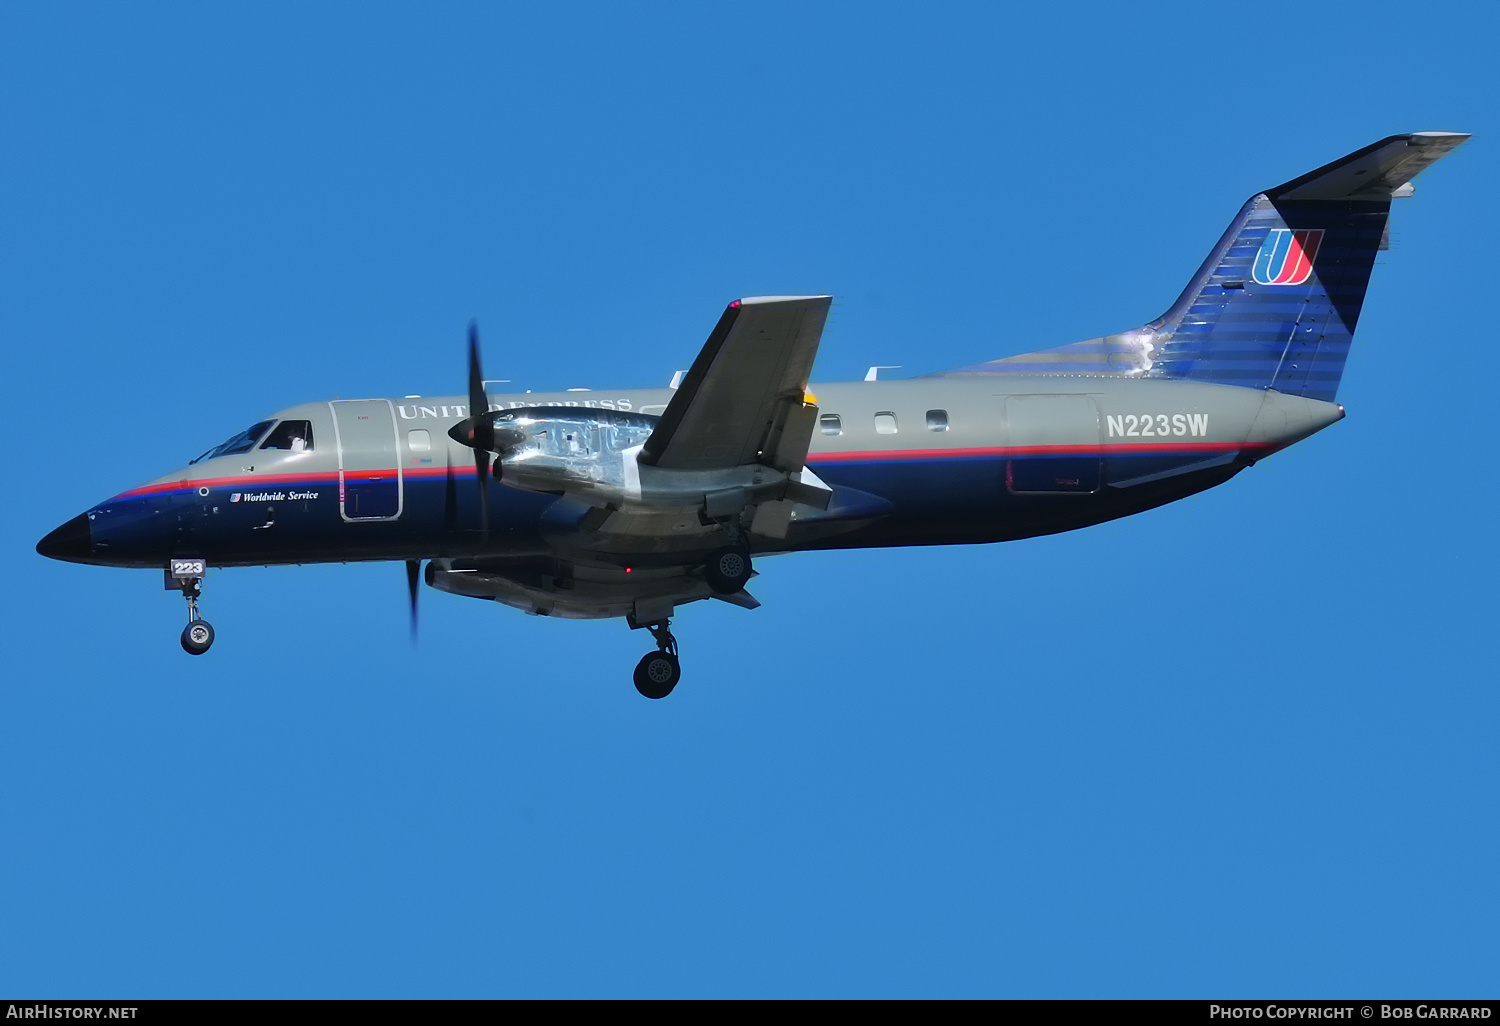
x=187 y=575
x=658 y=672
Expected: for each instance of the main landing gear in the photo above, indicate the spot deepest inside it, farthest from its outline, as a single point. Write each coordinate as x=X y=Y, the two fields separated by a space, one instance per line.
x=187 y=575
x=658 y=672
x=728 y=570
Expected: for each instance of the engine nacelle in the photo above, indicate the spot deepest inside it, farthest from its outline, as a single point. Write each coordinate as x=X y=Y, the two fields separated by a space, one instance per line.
x=591 y=455
x=563 y=450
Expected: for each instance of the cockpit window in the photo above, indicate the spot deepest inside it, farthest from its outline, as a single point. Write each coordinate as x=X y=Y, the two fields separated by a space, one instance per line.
x=294 y=435
x=242 y=442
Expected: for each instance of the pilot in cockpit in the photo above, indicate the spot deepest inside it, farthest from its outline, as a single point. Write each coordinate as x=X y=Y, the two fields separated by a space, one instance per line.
x=292 y=435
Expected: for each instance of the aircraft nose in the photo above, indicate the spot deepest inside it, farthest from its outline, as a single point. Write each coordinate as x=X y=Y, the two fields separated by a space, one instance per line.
x=72 y=541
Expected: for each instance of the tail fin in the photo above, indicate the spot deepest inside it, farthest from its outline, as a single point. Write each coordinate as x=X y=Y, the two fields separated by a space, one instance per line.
x=1276 y=303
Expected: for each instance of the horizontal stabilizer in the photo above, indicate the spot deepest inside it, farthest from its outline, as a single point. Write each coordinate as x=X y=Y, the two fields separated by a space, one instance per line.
x=1377 y=172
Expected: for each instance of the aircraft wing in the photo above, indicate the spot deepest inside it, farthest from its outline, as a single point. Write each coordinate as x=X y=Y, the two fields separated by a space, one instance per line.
x=744 y=400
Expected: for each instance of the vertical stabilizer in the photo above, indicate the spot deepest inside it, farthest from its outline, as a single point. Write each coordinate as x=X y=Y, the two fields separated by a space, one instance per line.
x=1276 y=303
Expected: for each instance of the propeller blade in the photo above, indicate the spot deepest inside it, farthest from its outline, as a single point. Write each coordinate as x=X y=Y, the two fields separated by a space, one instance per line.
x=482 y=464
x=450 y=501
x=482 y=432
x=479 y=403
x=413 y=571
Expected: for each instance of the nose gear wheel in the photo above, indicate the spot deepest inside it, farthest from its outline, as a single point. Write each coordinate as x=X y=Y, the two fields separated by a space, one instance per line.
x=198 y=635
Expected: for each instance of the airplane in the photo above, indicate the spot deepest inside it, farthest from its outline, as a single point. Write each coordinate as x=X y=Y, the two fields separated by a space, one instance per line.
x=633 y=502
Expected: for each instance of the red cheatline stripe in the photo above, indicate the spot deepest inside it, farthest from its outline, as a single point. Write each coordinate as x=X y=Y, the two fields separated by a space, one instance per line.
x=1124 y=449
x=902 y=454
x=330 y=478
x=172 y=486
x=259 y=481
x=264 y=481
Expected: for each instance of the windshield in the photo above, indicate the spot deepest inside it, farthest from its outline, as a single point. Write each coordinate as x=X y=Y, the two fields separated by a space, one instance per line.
x=242 y=442
x=295 y=435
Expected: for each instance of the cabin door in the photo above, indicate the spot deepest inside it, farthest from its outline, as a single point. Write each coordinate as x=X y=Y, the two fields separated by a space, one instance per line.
x=370 y=484
x=1054 y=443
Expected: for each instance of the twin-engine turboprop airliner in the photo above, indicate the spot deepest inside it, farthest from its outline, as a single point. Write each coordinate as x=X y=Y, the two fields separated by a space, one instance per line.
x=631 y=502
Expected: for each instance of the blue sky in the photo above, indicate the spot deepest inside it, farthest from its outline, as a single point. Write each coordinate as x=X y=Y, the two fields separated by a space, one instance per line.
x=1240 y=746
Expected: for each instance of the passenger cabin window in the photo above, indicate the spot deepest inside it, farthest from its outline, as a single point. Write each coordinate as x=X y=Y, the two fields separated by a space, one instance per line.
x=937 y=420
x=830 y=424
x=419 y=441
x=885 y=423
x=294 y=435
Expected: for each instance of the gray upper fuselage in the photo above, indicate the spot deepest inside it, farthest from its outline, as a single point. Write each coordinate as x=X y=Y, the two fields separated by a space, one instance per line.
x=975 y=458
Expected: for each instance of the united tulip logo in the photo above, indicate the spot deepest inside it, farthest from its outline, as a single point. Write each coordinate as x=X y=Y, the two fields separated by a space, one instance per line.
x=1287 y=255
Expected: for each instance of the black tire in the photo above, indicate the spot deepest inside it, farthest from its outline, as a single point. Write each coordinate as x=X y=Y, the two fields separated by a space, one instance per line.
x=657 y=674
x=729 y=570
x=197 y=637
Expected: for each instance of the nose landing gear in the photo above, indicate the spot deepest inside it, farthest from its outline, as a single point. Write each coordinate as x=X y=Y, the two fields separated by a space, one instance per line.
x=658 y=672
x=197 y=636
x=187 y=575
